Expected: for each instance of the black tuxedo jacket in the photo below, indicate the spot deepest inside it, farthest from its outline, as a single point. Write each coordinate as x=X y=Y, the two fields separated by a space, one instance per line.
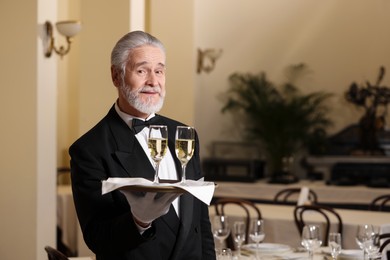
x=110 y=149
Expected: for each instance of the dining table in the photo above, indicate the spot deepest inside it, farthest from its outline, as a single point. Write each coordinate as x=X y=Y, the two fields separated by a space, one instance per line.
x=280 y=227
x=68 y=223
x=353 y=197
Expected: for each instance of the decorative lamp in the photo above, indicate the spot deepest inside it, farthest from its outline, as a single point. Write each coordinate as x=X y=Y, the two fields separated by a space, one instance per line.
x=69 y=29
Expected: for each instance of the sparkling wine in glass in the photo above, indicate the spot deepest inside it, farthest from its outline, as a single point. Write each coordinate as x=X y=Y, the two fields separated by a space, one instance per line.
x=184 y=146
x=157 y=144
x=311 y=239
x=334 y=242
x=220 y=226
x=256 y=231
x=239 y=234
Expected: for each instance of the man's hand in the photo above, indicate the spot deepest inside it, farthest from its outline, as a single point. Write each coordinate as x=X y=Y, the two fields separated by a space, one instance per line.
x=148 y=207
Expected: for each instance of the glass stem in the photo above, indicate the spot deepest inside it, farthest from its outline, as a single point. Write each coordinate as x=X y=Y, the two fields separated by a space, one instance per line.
x=311 y=254
x=220 y=242
x=183 y=176
x=156 y=173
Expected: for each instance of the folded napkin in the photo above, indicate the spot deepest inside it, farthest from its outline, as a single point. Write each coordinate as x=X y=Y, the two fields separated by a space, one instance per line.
x=200 y=189
x=303 y=196
x=351 y=254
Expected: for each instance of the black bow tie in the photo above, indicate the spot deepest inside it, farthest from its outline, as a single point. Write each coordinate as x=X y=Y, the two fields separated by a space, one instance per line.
x=138 y=125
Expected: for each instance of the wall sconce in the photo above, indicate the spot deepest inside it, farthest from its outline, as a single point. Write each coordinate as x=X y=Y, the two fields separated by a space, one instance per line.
x=65 y=28
x=206 y=59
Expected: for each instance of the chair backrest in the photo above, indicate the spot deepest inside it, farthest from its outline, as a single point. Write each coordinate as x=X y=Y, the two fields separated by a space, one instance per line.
x=380 y=203
x=290 y=196
x=385 y=241
x=250 y=209
x=54 y=254
x=327 y=213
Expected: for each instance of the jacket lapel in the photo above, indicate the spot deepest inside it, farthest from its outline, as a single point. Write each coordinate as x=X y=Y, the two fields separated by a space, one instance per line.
x=129 y=153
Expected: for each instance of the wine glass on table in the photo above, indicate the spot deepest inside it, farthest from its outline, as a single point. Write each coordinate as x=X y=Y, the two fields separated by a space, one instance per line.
x=184 y=147
x=239 y=234
x=363 y=234
x=157 y=144
x=256 y=231
x=372 y=247
x=221 y=228
x=311 y=239
x=334 y=242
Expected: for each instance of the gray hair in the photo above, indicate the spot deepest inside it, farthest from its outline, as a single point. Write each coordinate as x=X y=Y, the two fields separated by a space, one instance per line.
x=120 y=52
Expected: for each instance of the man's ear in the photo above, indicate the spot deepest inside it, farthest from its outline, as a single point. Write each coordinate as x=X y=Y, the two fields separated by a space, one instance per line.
x=115 y=76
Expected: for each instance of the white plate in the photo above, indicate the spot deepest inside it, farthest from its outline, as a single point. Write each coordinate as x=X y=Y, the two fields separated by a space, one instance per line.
x=351 y=254
x=284 y=257
x=267 y=248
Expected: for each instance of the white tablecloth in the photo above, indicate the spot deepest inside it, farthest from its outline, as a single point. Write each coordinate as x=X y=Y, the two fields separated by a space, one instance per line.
x=261 y=190
x=67 y=221
x=280 y=226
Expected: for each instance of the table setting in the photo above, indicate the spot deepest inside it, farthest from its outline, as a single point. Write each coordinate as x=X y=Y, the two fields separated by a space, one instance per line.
x=274 y=251
x=312 y=244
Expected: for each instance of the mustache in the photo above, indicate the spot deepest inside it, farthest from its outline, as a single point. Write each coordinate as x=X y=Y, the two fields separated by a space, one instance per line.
x=156 y=89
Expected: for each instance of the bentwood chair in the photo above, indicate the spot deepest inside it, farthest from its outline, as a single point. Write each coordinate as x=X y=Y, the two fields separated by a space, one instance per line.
x=385 y=241
x=54 y=254
x=380 y=203
x=249 y=208
x=329 y=215
x=291 y=195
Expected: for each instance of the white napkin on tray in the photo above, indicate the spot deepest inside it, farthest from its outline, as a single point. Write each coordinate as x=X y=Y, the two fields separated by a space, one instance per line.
x=200 y=189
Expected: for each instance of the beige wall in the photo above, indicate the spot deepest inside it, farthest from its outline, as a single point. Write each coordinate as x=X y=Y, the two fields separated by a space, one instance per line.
x=28 y=105
x=172 y=22
x=68 y=84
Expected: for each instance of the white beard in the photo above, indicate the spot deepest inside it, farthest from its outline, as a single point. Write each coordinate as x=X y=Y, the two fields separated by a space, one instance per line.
x=146 y=107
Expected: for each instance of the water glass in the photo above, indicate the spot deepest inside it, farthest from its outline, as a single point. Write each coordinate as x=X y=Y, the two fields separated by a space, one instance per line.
x=221 y=230
x=256 y=231
x=239 y=234
x=311 y=239
x=334 y=242
x=363 y=234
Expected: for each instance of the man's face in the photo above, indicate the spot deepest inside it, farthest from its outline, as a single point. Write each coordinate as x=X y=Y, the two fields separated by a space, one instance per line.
x=143 y=90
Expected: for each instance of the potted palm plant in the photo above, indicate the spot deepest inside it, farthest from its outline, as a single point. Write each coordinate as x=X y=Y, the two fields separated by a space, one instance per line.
x=281 y=119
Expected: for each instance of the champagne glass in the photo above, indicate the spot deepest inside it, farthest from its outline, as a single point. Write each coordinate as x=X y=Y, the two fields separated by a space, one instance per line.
x=334 y=242
x=157 y=144
x=239 y=235
x=256 y=231
x=311 y=239
x=221 y=228
x=184 y=147
x=364 y=233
